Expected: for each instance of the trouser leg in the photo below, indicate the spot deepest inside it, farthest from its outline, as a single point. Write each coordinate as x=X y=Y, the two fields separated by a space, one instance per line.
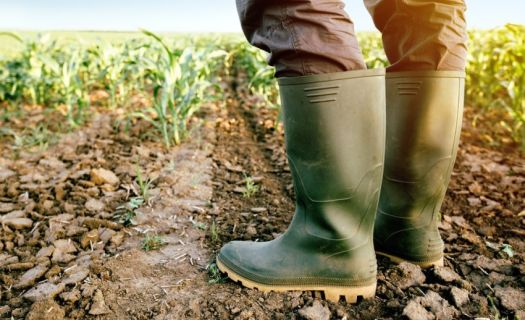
x=303 y=37
x=422 y=35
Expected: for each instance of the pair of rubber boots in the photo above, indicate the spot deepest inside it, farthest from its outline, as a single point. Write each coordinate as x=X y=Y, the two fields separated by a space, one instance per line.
x=371 y=157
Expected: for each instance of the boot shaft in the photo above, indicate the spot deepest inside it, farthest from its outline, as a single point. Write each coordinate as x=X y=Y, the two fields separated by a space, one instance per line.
x=424 y=115
x=335 y=137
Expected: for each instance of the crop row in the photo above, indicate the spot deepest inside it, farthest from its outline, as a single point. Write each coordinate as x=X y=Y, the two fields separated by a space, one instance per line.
x=178 y=76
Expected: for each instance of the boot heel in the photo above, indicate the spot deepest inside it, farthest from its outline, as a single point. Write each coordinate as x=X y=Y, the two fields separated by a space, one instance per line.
x=423 y=264
x=351 y=295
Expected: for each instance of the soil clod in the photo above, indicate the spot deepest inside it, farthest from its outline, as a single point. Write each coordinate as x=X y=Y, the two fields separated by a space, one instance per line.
x=98 y=306
x=315 y=312
x=44 y=291
x=406 y=275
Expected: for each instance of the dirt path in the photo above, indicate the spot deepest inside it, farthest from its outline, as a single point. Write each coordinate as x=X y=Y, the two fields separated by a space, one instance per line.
x=230 y=181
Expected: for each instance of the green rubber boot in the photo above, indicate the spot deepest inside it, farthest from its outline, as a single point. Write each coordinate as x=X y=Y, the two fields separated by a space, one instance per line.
x=335 y=136
x=424 y=113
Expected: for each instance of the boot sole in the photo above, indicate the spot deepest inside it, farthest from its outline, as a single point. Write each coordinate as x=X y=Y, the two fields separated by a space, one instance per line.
x=331 y=293
x=423 y=264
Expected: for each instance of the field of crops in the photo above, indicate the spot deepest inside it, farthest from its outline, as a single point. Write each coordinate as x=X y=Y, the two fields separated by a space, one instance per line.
x=127 y=160
x=177 y=75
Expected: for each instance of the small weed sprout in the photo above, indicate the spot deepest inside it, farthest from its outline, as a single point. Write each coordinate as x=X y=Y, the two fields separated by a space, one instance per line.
x=39 y=137
x=144 y=184
x=198 y=225
x=128 y=218
x=215 y=274
x=152 y=242
x=213 y=232
x=250 y=187
x=126 y=213
x=494 y=309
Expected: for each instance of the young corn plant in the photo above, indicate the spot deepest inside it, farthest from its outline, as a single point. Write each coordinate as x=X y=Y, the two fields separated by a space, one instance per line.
x=253 y=62
x=372 y=47
x=75 y=94
x=496 y=74
x=39 y=78
x=10 y=73
x=180 y=86
x=265 y=85
x=118 y=68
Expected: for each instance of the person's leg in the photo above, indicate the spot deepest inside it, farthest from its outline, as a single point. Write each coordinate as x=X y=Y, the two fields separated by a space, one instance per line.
x=425 y=42
x=334 y=123
x=303 y=37
x=422 y=35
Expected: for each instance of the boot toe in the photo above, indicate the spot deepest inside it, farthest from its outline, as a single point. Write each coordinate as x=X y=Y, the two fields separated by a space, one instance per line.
x=229 y=253
x=242 y=258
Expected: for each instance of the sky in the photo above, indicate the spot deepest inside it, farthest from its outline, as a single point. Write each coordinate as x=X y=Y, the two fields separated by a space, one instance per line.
x=194 y=15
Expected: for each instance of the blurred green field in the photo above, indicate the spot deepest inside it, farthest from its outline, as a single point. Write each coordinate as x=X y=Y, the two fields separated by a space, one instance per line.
x=62 y=68
x=10 y=46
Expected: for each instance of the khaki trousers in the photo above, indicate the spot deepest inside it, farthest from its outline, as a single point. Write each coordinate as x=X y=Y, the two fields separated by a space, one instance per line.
x=317 y=36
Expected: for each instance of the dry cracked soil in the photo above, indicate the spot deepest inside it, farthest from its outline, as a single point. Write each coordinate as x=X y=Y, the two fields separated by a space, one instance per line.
x=109 y=224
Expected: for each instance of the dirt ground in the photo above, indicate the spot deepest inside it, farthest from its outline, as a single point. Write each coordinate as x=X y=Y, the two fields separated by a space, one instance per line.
x=74 y=246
